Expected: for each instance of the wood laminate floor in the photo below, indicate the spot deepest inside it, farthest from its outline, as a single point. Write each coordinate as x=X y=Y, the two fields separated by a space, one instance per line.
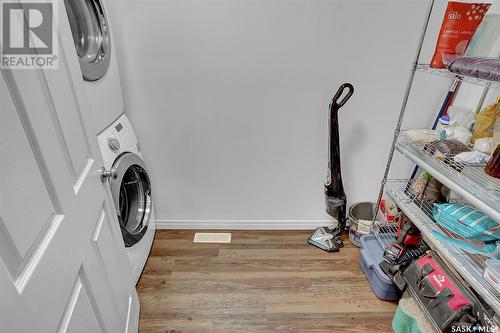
x=264 y=281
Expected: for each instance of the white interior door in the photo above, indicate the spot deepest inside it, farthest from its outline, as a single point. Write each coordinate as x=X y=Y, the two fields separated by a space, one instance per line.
x=63 y=267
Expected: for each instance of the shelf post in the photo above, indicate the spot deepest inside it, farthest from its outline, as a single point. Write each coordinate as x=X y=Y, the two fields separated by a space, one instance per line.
x=403 y=106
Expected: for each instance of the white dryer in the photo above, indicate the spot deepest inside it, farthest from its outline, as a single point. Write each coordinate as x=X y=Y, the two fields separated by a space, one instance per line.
x=131 y=189
x=93 y=40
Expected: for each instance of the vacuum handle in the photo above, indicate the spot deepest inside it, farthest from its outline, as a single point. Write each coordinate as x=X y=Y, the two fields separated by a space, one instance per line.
x=336 y=104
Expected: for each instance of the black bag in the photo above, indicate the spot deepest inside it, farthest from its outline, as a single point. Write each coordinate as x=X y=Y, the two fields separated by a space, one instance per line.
x=447 y=302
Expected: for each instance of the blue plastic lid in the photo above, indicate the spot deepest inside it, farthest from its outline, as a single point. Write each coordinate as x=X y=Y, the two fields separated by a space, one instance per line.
x=375 y=253
x=445 y=119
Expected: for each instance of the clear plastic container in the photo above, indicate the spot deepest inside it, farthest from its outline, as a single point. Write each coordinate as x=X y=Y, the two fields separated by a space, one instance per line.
x=492 y=273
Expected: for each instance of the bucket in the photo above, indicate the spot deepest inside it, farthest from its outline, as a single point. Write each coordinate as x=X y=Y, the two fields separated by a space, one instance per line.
x=361 y=216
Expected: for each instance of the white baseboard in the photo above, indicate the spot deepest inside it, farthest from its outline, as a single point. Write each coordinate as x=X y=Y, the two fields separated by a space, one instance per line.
x=243 y=224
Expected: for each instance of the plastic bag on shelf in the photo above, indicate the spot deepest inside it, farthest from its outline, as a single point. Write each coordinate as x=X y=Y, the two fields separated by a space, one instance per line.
x=428 y=188
x=459 y=24
x=483 y=145
x=479 y=67
x=460 y=120
x=458 y=133
x=421 y=136
x=461 y=116
x=472 y=158
x=443 y=149
x=466 y=221
x=485 y=121
x=485 y=38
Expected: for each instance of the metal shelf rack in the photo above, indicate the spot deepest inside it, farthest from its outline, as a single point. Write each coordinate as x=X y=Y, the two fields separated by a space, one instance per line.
x=447 y=74
x=477 y=188
x=470 y=266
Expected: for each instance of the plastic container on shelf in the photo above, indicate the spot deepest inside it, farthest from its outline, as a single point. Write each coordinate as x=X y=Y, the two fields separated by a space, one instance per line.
x=443 y=123
x=371 y=256
x=493 y=166
x=492 y=273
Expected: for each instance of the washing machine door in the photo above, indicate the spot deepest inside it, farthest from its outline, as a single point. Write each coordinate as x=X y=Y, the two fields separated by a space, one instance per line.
x=131 y=191
x=90 y=30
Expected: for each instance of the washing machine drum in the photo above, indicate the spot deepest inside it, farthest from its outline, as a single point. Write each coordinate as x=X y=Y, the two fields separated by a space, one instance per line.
x=131 y=191
x=90 y=31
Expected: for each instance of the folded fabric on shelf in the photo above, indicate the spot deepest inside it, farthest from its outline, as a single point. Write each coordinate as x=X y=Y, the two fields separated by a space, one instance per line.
x=482 y=68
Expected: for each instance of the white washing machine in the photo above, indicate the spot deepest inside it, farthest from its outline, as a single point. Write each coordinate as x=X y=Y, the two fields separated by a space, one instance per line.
x=131 y=189
x=93 y=40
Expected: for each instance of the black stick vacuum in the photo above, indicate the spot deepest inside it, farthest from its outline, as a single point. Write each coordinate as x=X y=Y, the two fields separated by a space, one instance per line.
x=334 y=190
x=326 y=238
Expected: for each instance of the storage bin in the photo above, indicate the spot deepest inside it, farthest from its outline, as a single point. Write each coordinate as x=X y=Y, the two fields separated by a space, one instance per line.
x=370 y=258
x=360 y=218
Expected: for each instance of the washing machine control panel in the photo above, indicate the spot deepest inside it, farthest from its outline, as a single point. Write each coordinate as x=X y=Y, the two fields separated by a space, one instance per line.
x=118 y=138
x=113 y=144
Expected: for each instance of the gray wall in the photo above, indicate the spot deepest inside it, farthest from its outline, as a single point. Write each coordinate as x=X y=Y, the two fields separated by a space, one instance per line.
x=229 y=100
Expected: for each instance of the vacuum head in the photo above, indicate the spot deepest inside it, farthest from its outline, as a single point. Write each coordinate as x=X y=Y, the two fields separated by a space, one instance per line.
x=326 y=239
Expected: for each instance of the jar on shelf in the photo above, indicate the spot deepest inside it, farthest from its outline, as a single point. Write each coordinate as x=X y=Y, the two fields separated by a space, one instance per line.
x=493 y=166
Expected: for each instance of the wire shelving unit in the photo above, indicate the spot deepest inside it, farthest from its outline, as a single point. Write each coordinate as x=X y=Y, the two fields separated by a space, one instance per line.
x=480 y=189
x=470 y=266
x=447 y=74
x=471 y=183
